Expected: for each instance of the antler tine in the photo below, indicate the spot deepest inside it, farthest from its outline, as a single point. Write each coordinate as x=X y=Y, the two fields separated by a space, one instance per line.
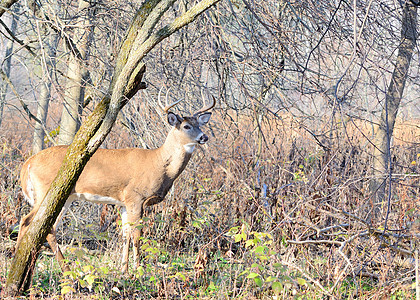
x=205 y=107
x=167 y=106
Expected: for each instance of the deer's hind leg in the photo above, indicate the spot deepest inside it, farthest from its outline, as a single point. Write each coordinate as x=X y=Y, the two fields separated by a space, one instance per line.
x=23 y=227
x=52 y=239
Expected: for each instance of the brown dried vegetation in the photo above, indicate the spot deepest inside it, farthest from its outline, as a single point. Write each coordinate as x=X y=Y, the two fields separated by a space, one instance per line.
x=309 y=194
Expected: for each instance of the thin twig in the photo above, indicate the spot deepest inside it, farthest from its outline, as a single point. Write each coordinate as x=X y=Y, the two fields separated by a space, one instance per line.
x=314 y=242
x=316 y=282
x=25 y=106
x=14 y=38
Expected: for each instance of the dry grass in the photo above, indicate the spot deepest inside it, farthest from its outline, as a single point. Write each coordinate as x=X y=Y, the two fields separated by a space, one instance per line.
x=263 y=209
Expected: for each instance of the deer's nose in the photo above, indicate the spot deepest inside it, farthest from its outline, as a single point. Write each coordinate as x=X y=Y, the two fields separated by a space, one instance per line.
x=203 y=139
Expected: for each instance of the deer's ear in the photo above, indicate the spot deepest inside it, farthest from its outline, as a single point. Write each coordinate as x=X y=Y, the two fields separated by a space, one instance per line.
x=173 y=119
x=204 y=118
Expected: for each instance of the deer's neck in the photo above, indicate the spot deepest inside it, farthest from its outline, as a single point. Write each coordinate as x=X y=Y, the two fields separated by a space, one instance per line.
x=175 y=156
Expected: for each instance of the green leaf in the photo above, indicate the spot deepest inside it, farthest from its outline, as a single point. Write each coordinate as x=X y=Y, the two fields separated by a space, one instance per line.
x=88 y=268
x=140 y=271
x=196 y=224
x=232 y=231
x=90 y=279
x=211 y=286
x=259 y=249
x=253 y=275
x=180 y=275
x=258 y=281
x=67 y=289
x=82 y=283
x=269 y=242
x=244 y=235
x=238 y=238
x=70 y=274
x=249 y=243
x=277 y=287
x=278 y=266
x=301 y=281
x=152 y=250
x=255 y=265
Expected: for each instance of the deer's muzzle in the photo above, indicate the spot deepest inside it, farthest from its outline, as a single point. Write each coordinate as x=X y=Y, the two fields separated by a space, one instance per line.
x=203 y=139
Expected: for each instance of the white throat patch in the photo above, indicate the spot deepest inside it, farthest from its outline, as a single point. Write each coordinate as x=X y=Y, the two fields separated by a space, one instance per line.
x=189 y=148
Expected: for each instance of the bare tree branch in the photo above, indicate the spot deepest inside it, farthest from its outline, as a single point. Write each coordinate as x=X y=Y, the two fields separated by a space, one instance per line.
x=5 y=5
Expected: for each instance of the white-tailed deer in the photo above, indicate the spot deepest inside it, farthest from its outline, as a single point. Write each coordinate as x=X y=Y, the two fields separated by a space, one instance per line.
x=131 y=178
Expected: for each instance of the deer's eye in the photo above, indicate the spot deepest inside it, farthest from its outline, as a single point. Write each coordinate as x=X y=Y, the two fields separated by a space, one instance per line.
x=187 y=127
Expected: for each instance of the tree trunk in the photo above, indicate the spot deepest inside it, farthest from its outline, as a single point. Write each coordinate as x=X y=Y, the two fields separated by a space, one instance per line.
x=44 y=98
x=91 y=134
x=7 y=62
x=41 y=114
x=385 y=129
x=77 y=76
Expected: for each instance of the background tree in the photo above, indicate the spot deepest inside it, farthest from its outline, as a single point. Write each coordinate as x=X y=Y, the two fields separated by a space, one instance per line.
x=49 y=42
x=382 y=162
x=77 y=73
x=8 y=60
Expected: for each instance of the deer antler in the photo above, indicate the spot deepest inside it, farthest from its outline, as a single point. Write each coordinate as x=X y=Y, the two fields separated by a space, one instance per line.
x=167 y=106
x=205 y=107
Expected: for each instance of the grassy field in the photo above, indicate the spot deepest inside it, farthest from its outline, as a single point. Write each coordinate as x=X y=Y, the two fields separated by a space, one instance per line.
x=264 y=211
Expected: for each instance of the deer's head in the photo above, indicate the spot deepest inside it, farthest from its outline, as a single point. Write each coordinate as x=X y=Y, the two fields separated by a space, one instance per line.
x=186 y=129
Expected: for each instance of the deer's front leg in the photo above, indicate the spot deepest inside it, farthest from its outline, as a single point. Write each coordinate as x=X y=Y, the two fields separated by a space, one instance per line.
x=137 y=230
x=126 y=251
x=126 y=233
x=135 y=218
x=136 y=234
x=130 y=232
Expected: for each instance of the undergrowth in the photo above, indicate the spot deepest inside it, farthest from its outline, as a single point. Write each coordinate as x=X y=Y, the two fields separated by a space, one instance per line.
x=286 y=219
